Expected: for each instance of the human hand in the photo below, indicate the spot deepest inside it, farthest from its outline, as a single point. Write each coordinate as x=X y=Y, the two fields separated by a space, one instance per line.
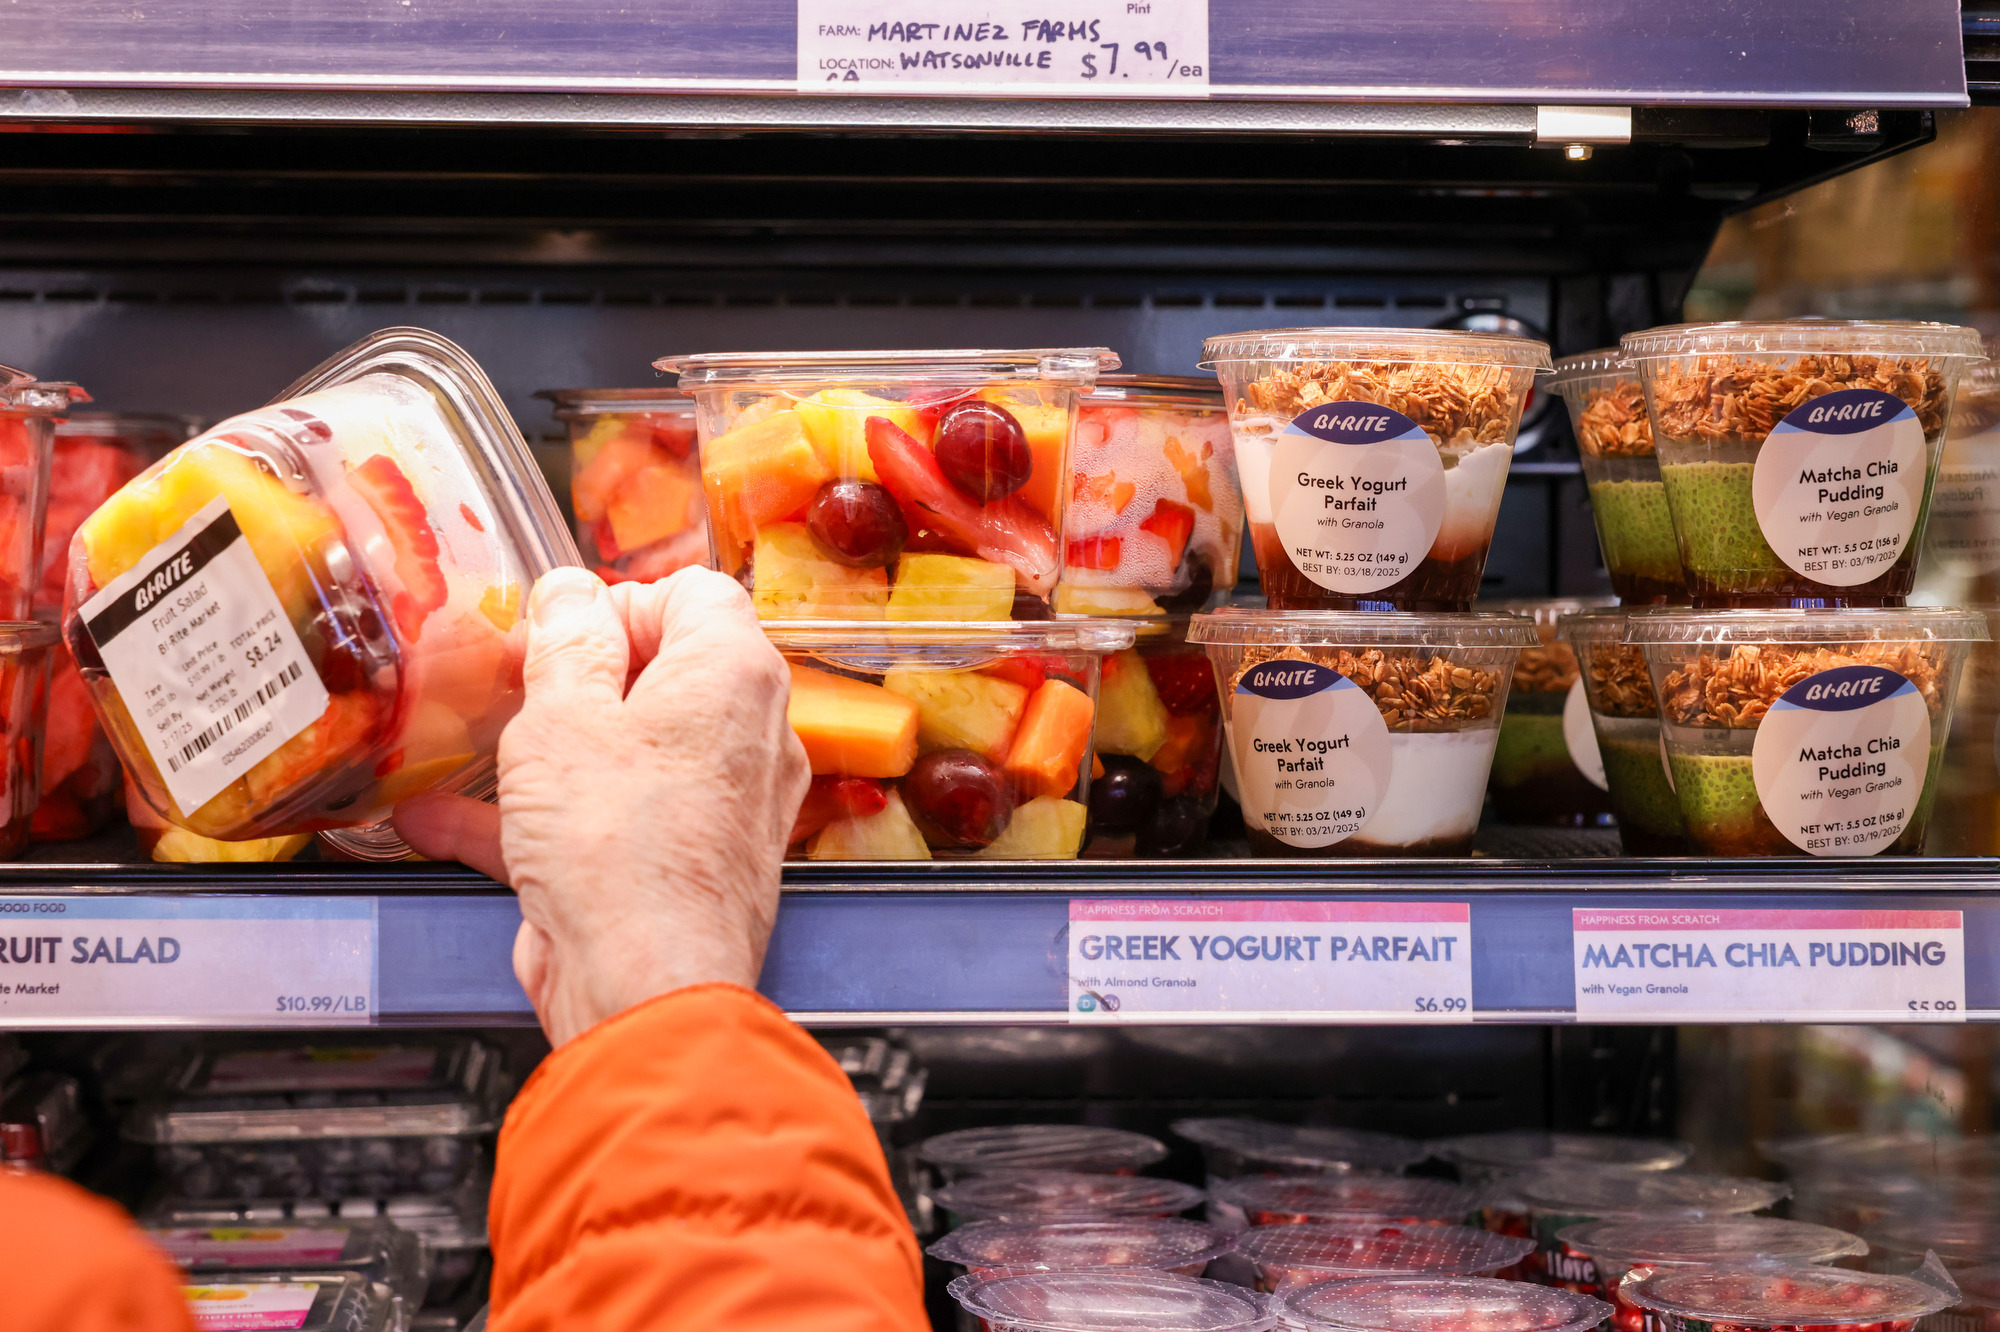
x=642 y=827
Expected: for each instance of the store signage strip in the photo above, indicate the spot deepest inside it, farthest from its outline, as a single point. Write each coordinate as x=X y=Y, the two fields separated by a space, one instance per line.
x=204 y=961
x=1725 y=965
x=1272 y=961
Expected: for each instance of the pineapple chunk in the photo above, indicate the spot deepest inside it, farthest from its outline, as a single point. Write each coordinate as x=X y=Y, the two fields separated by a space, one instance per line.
x=795 y=582
x=181 y=847
x=836 y=421
x=1043 y=829
x=951 y=587
x=961 y=709
x=887 y=834
x=1130 y=717
x=1074 y=599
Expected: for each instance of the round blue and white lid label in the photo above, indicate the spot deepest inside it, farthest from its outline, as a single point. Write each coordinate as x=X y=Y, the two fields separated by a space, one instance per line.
x=1311 y=751
x=1357 y=495
x=1840 y=760
x=1838 y=484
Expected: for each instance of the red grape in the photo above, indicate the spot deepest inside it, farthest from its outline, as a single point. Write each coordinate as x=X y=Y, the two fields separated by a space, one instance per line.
x=859 y=522
x=983 y=451
x=958 y=800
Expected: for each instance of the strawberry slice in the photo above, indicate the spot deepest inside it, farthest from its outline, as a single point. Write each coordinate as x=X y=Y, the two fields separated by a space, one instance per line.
x=832 y=797
x=1185 y=684
x=388 y=492
x=1172 y=523
x=1098 y=552
x=1006 y=531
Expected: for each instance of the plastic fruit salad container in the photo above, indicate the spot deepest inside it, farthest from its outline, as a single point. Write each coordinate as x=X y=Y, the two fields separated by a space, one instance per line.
x=1155 y=518
x=1109 y=1301
x=1184 y=1248
x=1393 y=1201
x=1287 y=1256
x=1234 y=1147
x=1813 y=731
x=1618 y=689
x=1546 y=767
x=1436 y=1304
x=1798 y=456
x=1373 y=459
x=29 y=409
x=312 y=611
x=26 y=651
x=1635 y=530
x=945 y=739
x=1359 y=734
x=1062 y=1195
x=1794 y=1298
x=1000 y=1148
x=1635 y=1249
x=634 y=480
x=1558 y=1199
x=901 y=485
x=1158 y=740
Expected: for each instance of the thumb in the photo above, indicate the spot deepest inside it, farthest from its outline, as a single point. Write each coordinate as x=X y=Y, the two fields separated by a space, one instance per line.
x=577 y=649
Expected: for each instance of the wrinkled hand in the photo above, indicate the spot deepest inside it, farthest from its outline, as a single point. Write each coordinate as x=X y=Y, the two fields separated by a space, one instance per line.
x=643 y=828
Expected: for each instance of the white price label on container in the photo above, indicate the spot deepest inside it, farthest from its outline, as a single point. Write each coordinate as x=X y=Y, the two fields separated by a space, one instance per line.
x=1214 y=961
x=193 y=961
x=1099 y=48
x=1725 y=965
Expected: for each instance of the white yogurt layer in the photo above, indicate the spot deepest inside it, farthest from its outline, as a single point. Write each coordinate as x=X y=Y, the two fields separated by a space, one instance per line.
x=1437 y=784
x=1473 y=489
x=1255 y=441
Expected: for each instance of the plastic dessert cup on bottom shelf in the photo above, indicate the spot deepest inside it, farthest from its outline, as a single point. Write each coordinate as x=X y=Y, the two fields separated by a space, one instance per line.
x=945 y=739
x=1638 y=1248
x=26 y=652
x=899 y=485
x=308 y=1299
x=1358 y=734
x=1559 y=1199
x=1287 y=1256
x=1393 y=1202
x=1436 y=1304
x=1373 y=460
x=1796 y=1298
x=1082 y=1148
x=1158 y=740
x=1806 y=731
x=1108 y=1301
x=1546 y=767
x=1155 y=519
x=1184 y=1248
x=1798 y=456
x=1618 y=689
x=1062 y=1195
x=634 y=480
x=1628 y=501
x=1232 y=1148
x=1961 y=1240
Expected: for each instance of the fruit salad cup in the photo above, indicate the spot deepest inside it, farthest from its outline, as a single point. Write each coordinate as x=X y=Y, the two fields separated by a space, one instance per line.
x=1436 y=1304
x=312 y=611
x=1798 y=457
x=1391 y=1201
x=634 y=480
x=1000 y=1148
x=890 y=485
x=1373 y=459
x=29 y=409
x=1559 y=1199
x=1062 y=1195
x=1607 y=408
x=26 y=650
x=1798 y=1298
x=1287 y=1256
x=1962 y=540
x=1108 y=1301
x=1155 y=518
x=986 y=1248
x=1636 y=1249
x=1626 y=717
x=1814 y=731
x=1232 y=1148
x=1359 y=734
x=945 y=739
x=1546 y=768
x=1159 y=741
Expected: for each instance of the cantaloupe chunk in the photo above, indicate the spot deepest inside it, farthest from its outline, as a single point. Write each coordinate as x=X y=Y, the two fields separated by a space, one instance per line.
x=795 y=581
x=1048 y=749
x=1047 y=429
x=961 y=709
x=951 y=587
x=652 y=504
x=760 y=473
x=1044 y=828
x=835 y=419
x=850 y=727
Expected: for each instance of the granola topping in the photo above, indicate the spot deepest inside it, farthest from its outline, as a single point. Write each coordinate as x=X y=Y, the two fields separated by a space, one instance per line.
x=1737 y=399
x=1545 y=670
x=1618 y=682
x=1458 y=406
x=1413 y=691
x=1613 y=422
x=1735 y=689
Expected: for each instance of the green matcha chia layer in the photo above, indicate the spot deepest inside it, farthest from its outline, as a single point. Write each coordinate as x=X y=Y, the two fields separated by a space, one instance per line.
x=1529 y=746
x=1640 y=796
x=1636 y=530
x=1720 y=541
x=1534 y=780
x=1718 y=797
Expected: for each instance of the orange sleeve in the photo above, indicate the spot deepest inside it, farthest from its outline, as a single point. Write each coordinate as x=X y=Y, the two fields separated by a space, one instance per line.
x=697 y=1161
x=72 y=1262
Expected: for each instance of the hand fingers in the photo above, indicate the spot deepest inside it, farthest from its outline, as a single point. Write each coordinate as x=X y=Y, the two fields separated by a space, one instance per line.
x=453 y=827
x=703 y=621
x=577 y=649
x=531 y=966
x=659 y=613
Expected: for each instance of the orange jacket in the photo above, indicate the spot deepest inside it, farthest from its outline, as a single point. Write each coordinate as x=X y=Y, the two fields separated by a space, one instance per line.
x=71 y=1262
x=697 y=1162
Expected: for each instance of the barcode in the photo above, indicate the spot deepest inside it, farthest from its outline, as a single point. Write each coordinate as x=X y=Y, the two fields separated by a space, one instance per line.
x=271 y=690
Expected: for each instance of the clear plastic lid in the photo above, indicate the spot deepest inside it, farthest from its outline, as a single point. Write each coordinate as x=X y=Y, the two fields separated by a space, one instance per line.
x=1157 y=391
x=1438 y=1304
x=1302 y=1146
x=150 y=431
x=1527 y=1149
x=378 y=1249
x=1656 y=1193
x=877 y=645
x=1359 y=1249
x=1064 y=1195
x=1780 y=1295
x=1960 y=1239
x=1109 y=1301
x=1077 y=1147
x=1333 y=1197
x=572 y=403
x=1256 y=627
x=1161 y=1244
x=1720 y=1239
x=1392 y=345
x=1805 y=337
x=1921 y=623
x=1606 y=625
x=1900 y=1152
x=1598 y=369
x=309 y=1301
x=1071 y=366
x=1546 y=612
x=21 y=394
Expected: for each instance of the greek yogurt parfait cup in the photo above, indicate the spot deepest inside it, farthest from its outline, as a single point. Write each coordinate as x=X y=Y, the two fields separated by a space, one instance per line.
x=1793 y=731
x=1628 y=502
x=1618 y=690
x=1114 y=1300
x=634 y=480
x=1798 y=456
x=1062 y=1195
x=1287 y=1256
x=1558 y=1200
x=1635 y=1249
x=1791 y=1298
x=1393 y=1202
x=1360 y=734
x=1184 y=1248
x=1546 y=767
x=1373 y=459
x=1001 y=1148
x=1436 y=1304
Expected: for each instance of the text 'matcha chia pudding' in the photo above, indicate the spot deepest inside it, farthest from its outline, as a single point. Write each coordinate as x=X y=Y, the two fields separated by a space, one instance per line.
x=1806 y=731
x=1635 y=1249
x=1798 y=456
x=1546 y=766
x=1618 y=688
x=1361 y=734
x=1373 y=459
x=1793 y=1298
x=1436 y=1304
x=1628 y=501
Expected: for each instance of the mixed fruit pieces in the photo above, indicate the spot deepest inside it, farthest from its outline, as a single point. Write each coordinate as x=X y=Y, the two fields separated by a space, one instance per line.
x=636 y=490
x=922 y=761
x=20 y=475
x=844 y=505
x=1159 y=742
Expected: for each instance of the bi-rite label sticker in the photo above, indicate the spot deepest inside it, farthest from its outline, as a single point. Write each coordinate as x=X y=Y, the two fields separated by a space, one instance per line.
x=1838 y=484
x=1312 y=752
x=204 y=657
x=252 y=1307
x=1580 y=737
x=1357 y=495
x=1963 y=534
x=1840 y=760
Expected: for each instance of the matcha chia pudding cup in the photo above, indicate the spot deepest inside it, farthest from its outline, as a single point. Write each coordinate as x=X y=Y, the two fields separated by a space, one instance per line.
x=1546 y=768
x=1618 y=689
x=1607 y=408
x=1962 y=539
x=1815 y=731
x=1798 y=456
